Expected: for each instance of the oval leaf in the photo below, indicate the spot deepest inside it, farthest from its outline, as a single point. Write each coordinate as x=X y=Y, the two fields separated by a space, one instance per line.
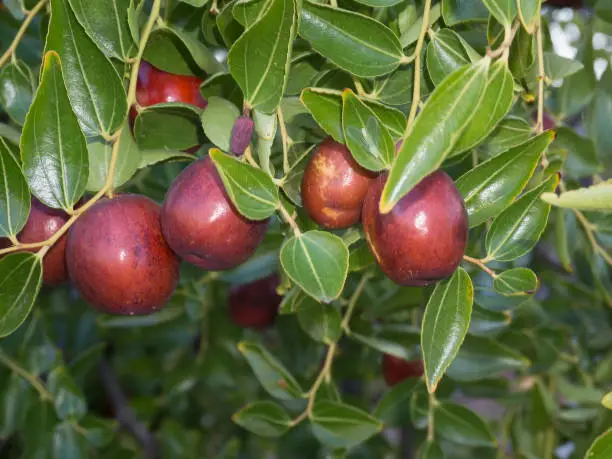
x=53 y=148
x=267 y=419
x=366 y=137
x=218 y=120
x=518 y=228
x=16 y=90
x=445 y=324
x=251 y=190
x=529 y=11
x=173 y=125
x=317 y=261
x=435 y=131
x=106 y=22
x=596 y=197
x=461 y=425
x=390 y=407
x=68 y=399
x=272 y=375
x=20 y=279
x=95 y=89
x=517 y=281
x=502 y=10
x=430 y=450
x=511 y=132
x=602 y=447
x=320 y=321
x=352 y=41
x=14 y=194
x=491 y=186
x=445 y=54
x=68 y=443
x=342 y=426
x=260 y=67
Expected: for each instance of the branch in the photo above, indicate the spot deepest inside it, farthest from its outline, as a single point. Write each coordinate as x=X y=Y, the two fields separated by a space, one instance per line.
x=541 y=78
x=289 y=219
x=25 y=374
x=22 y=30
x=124 y=414
x=481 y=264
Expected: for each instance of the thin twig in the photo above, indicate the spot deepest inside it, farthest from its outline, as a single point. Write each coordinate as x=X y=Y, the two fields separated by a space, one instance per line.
x=124 y=413
x=504 y=48
x=289 y=219
x=22 y=30
x=25 y=374
x=248 y=154
x=541 y=81
x=285 y=139
x=416 y=92
x=590 y=232
x=481 y=265
x=353 y=302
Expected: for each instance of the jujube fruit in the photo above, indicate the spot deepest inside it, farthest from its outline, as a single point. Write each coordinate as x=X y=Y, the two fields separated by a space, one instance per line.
x=423 y=238
x=255 y=305
x=334 y=186
x=118 y=259
x=396 y=370
x=202 y=225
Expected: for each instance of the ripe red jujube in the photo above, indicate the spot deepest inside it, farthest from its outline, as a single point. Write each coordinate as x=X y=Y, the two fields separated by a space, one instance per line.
x=118 y=259
x=255 y=305
x=396 y=370
x=202 y=225
x=423 y=238
x=334 y=186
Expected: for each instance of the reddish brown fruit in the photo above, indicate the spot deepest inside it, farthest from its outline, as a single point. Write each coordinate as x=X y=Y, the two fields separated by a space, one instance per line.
x=202 y=225
x=334 y=186
x=118 y=259
x=396 y=370
x=423 y=238
x=255 y=305
x=43 y=223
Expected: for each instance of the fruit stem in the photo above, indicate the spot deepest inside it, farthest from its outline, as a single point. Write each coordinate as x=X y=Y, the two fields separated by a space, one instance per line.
x=289 y=219
x=541 y=79
x=24 y=26
x=285 y=139
x=481 y=265
x=416 y=92
x=25 y=374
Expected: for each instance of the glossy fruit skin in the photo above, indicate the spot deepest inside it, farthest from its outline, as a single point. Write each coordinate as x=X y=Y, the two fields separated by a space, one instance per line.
x=202 y=225
x=423 y=238
x=118 y=259
x=396 y=370
x=155 y=86
x=255 y=305
x=334 y=186
x=43 y=223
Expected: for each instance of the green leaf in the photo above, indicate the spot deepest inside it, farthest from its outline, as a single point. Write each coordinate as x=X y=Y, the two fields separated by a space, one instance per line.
x=557 y=67
x=491 y=186
x=595 y=197
x=218 y=120
x=602 y=447
x=270 y=372
x=445 y=324
x=529 y=11
x=265 y=126
x=68 y=399
x=511 y=132
x=522 y=53
x=320 y=321
x=150 y=157
x=461 y=425
x=317 y=261
x=100 y=152
x=342 y=426
x=325 y=106
x=292 y=184
x=446 y=53
x=502 y=10
x=517 y=229
x=20 y=279
x=458 y=11
x=251 y=190
x=134 y=15
x=173 y=125
x=494 y=106
x=68 y=443
x=516 y=281
x=56 y=168
x=580 y=154
x=175 y=51
x=482 y=358
x=98 y=431
x=396 y=88
x=106 y=22
x=94 y=87
x=430 y=450
x=354 y=42
x=16 y=402
x=16 y=90
x=391 y=406
x=607 y=401
x=486 y=322
x=14 y=194
x=379 y=3
x=360 y=257
x=399 y=340
x=366 y=137
x=412 y=33
x=248 y=12
x=260 y=67
x=435 y=131
x=266 y=419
